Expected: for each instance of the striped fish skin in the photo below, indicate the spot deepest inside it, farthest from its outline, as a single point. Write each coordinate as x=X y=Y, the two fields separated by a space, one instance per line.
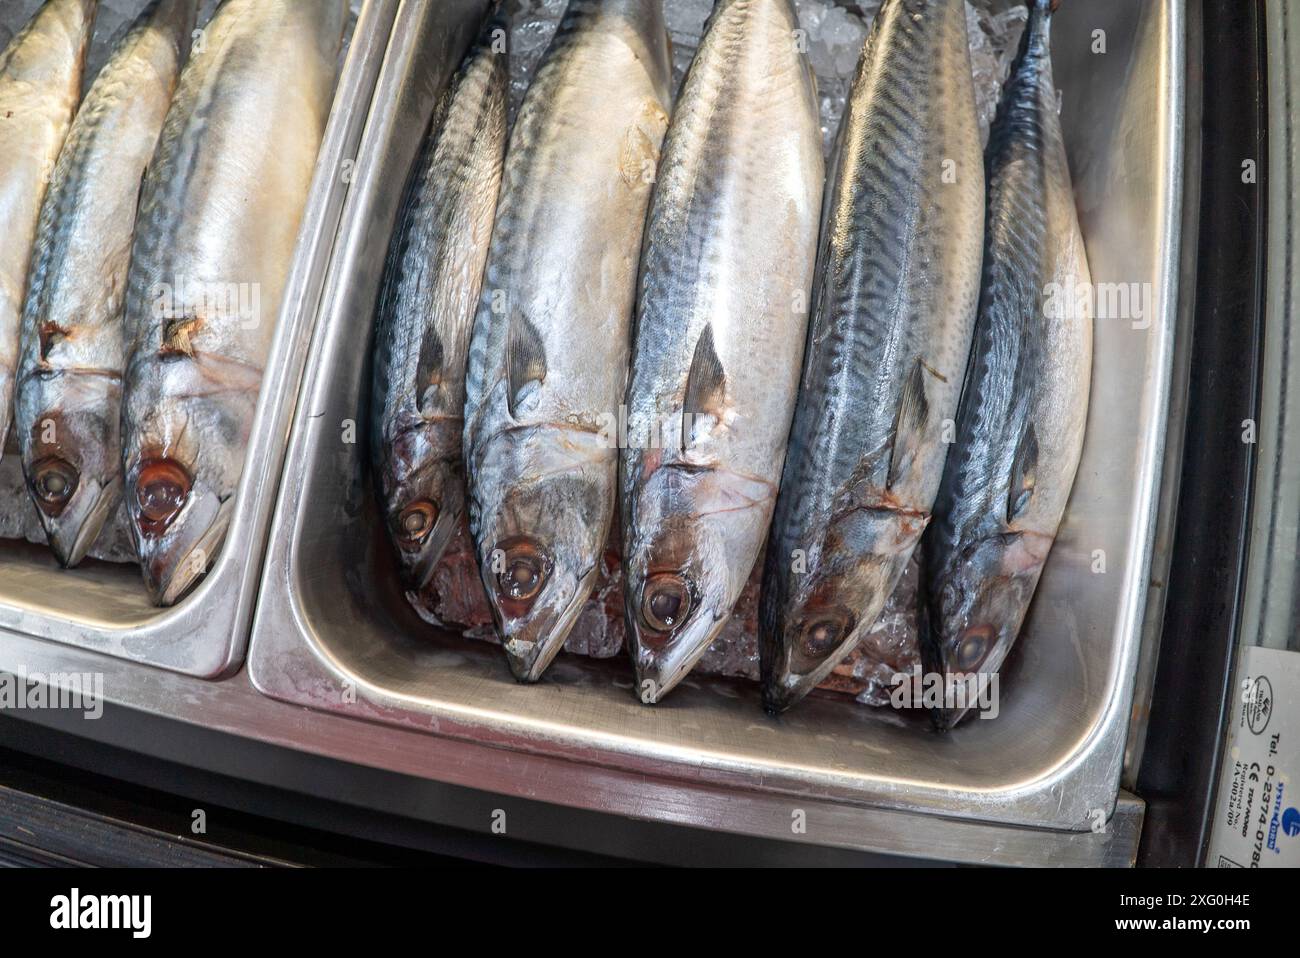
x=40 y=86
x=898 y=287
x=220 y=208
x=1021 y=424
x=431 y=291
x=72 y=352
x=549 y=350
x=722 y=318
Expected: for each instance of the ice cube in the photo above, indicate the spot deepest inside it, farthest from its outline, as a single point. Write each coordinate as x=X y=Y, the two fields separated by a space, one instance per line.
x=686 y=17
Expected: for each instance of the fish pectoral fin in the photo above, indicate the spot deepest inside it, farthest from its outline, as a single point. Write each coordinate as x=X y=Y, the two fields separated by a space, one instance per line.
x=139 y=192
x=909 y=425
x=639 y=157
x=706 y=387
x=525 y=358
x=50 y=335
x=178 y=336
x=429 y=371
x=1024 y=473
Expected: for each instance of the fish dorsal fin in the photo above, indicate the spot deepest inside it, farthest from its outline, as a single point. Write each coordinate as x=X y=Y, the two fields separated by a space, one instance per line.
x=1024 y=473
x=909 y=426
x=706 y=386
x=525 y=358
x=428 y=371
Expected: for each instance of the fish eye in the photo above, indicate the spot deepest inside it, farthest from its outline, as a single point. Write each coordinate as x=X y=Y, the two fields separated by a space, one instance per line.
x=972 y=647
x=53 y=482
x=415 y=522
x=822 y=634
x=665 y=601
x=161 y=488
x=523 y=569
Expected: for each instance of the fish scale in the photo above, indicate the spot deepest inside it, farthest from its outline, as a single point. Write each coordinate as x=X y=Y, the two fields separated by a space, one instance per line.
x=1021 y=423
x=891 y=330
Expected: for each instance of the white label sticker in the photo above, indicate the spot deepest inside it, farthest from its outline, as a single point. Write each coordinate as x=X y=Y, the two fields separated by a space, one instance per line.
x=1257 y=813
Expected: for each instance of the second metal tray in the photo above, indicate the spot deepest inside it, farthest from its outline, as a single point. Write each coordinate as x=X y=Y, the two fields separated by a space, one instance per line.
x=333 y=632
x=103 y=606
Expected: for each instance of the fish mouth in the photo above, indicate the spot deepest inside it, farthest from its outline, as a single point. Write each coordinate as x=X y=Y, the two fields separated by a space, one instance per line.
x=532 y=639
x=805 y=668
x=813 y=621
x=973 y=637
x=75 y=529
x=659 y=670
x=945 y=720
x=977 y=656
x=173 y=561
x=802 y=646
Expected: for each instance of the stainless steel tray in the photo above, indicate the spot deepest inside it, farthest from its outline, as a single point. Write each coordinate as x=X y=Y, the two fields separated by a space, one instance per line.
x=332 y=632
x=103 y=606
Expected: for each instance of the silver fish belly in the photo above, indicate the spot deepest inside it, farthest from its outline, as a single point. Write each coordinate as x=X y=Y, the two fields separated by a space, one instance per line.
x=1021 y=424
x=71 y=354
x=40 y=85
x=430 y=294
x=218 y=222
x=897 y=292
x=722 y=316
x=549 y=350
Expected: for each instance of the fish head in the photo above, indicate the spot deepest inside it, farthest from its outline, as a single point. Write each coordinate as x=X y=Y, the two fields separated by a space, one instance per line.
x=182 y=460
x=423 y=493
x=688 y=554
x=977 y=605
x=73 y=471
x=819 y=602
x=540 y=548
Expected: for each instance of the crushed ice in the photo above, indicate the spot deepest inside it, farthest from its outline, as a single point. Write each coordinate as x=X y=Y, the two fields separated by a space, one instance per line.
x=836 y=31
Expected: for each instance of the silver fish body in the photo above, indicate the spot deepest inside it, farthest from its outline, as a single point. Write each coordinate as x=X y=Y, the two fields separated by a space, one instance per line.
x=549 y=349
x=897 y=292
x=40 y=86
x=722 y=317
x=218 y=222
x=72 y=352
x=426 y=309
x=1021 y=424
